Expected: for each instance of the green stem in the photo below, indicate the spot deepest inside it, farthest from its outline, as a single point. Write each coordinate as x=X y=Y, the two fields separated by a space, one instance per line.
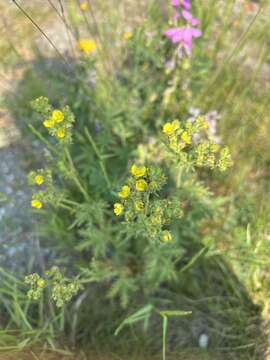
x=75 y=176
x=101 y=162
x=71 y=202
x=66 y=207
x=165 y=327
x=179 y=177
x=42 y=138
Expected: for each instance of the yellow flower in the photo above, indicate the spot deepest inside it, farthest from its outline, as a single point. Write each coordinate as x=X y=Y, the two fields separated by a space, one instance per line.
x=138 y=171
x=41 y=283
x=61 y=133
x=166 y=236
x=186 y=137
x=39 y=179
x=215 y=148
x=88 y=46
x=36 y=204
x=170 y=127
x=173 y=143
x=58 y=116
x=139 y=205
x=127 y=35
x=118 y=209
x=124 y=193
x=84 y=5
x=202 y=122
x=141 y=185
x=48 y=123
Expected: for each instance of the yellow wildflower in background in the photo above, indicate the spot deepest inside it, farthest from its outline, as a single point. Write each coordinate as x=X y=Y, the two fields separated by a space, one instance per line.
x=41 y=283
x=48 y=123
x=58 y=116
x=127 y=35
x=202 y=122
x=138 y=171
x=139 y=205
x=118 y=209
x=36 y=204
x=84 y=5
x=61 y=133
x=39 y=179
x=186 y=137
x=170 y=127
x=124 y=193
x=141 y=185
x=88 y=46
x=166 y=236
x=215 y=148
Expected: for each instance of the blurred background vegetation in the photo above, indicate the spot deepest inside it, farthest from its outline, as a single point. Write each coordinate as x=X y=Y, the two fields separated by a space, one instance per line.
x=120 y=99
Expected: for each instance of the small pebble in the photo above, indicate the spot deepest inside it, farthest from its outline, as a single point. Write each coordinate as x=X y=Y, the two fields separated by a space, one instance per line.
x=203 y=341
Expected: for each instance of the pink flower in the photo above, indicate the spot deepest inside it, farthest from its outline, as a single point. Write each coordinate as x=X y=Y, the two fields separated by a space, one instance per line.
x=183 y=36
x=188 y=16
x=174 y=34
x=176 y=3
x=183 y=3
x=186 y=4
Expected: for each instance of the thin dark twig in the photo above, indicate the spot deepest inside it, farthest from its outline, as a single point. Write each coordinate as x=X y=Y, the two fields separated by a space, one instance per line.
x=68 y=28
x=62 y=17
x=41 y=31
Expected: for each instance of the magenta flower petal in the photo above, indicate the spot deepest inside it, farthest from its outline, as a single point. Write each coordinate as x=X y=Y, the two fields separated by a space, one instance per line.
x=177 y=38
x=196 y=32
x=176 y=3
x=195 y=22
x=174 y=34
x=186 y=4
x=187 y=15
x=171 y=32
x=176 y=16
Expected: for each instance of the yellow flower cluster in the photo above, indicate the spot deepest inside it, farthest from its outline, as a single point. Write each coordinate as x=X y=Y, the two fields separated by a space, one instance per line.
x=52 y=123
x=148 y=214
x=178 y=137
x=201 y=153
x=58 y=123
x=38 y=178
x=87 y=46
x=56 y=118
x=139 y=186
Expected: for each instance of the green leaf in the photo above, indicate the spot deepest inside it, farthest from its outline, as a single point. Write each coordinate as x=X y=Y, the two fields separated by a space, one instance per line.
x=168 y=313
x=142 y=314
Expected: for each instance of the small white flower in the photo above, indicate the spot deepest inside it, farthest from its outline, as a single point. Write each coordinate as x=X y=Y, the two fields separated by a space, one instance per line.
x=203 y=341
x=194 y=111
